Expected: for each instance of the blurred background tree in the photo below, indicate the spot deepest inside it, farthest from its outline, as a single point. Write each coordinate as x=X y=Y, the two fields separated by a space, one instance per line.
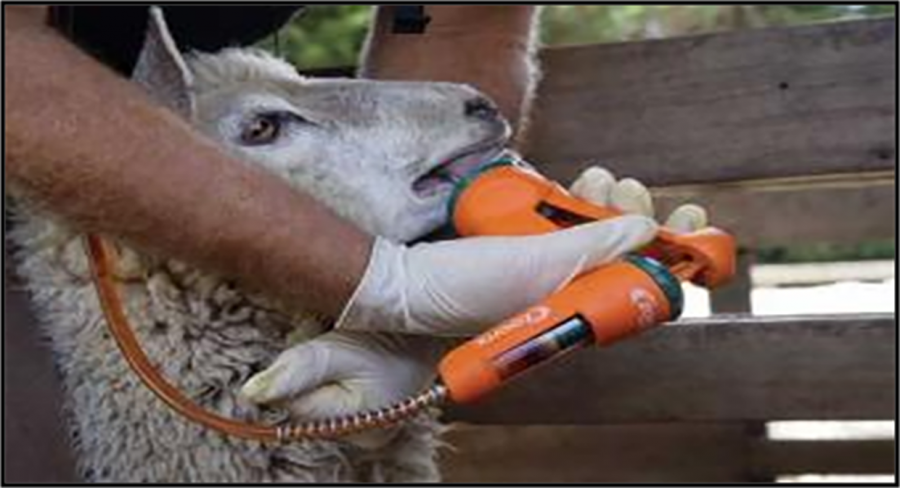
x=582 y=24
x=324 y=36
x=332 y=36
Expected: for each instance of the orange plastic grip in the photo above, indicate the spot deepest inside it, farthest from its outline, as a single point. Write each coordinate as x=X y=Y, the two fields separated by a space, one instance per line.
x=511 y=200
x=611 y=303
x=504 y=201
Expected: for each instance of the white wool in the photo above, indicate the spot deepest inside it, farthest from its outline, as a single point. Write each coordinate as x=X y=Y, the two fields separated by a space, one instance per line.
x=234 y=65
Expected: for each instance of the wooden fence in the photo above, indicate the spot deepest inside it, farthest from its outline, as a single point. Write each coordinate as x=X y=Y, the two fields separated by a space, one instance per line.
x=788 y=136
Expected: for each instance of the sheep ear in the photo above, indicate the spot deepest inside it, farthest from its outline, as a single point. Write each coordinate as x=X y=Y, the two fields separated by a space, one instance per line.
x=161 y=69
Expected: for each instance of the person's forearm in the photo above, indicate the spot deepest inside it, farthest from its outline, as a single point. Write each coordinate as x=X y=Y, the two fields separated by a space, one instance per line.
x=488 y=46
x=90 y=147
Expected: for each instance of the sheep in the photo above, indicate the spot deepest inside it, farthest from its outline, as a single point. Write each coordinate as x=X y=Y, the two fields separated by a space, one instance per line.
x=369 y=150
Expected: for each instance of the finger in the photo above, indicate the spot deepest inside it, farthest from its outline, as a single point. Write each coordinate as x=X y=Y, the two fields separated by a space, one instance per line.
x=296 y=370
x=594 y=185
x=687 y=218
x=631 y=196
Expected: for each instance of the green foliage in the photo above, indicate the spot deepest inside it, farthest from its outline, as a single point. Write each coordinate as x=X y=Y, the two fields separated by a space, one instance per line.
x=583 y=24
x=324 y=36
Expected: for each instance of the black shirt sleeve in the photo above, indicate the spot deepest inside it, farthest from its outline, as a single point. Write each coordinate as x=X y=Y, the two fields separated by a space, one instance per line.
x=114 y=33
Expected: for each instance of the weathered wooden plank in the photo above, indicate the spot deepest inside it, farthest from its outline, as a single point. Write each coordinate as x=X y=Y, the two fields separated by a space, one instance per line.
x=767 y=216
x=836 y=457
x=721 y=107
x=35 y=440
x=735 y=296
x=596 y=454
x=647 y=453
x=731 y=368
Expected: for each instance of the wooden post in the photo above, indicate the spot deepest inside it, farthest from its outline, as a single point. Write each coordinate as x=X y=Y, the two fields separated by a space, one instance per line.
x=735 y=296
x=35 y=442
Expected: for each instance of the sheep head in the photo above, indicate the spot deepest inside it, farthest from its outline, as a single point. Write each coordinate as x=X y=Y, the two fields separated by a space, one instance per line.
x=384 y=155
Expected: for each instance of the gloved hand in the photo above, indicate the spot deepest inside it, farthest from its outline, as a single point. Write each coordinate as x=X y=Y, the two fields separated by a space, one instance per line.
x=460 y=287
x=345 y=372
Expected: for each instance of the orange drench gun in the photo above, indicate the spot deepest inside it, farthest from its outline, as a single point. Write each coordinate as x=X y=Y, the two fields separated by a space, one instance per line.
x=504 y=198
x=604 y=305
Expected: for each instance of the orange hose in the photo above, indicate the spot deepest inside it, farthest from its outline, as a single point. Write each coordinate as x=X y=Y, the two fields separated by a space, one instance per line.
x=101 y=264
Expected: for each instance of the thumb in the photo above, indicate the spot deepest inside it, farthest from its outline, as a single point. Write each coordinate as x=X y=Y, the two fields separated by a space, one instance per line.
x=578 y=249
x=469 y=283
x=296 y=370
x=571 y=252
x=604 y=241
x=565 y=254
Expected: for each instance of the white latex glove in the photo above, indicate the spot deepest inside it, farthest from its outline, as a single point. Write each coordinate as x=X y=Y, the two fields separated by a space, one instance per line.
x=463 y=286
x=599 y=186
x=344 y=372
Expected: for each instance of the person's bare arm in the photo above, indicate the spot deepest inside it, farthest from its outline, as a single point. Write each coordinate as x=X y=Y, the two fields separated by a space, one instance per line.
x=488 y=46
x=92 y=147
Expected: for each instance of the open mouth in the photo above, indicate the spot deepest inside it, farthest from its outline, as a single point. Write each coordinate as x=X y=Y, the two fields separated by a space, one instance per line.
x=444 y=176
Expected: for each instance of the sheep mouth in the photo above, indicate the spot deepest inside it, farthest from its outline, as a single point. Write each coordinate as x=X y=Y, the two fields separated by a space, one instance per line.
x=443 y=177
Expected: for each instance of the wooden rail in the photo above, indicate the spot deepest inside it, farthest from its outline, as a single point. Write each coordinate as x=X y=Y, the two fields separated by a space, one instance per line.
x=728 y=369
x=750 y=105
x=648 y=453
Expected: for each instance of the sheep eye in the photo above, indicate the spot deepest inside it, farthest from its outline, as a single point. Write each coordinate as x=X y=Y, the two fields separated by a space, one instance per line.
x=262 y=129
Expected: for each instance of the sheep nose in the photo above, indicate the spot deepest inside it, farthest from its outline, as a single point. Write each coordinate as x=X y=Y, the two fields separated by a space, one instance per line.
x=481 y=108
